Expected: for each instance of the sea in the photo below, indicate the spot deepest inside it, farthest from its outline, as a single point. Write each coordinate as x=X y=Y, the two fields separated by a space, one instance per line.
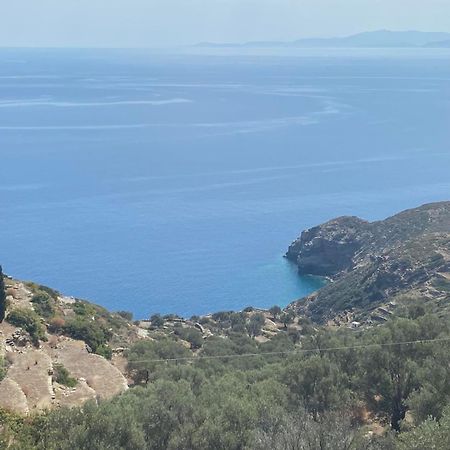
x=174 y=181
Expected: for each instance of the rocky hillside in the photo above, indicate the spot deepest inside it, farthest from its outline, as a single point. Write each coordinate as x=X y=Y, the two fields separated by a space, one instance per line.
x=60 y=351
x=373 y=266
x=45 y=355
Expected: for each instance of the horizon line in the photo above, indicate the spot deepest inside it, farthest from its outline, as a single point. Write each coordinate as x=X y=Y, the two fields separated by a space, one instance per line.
x=219 y=43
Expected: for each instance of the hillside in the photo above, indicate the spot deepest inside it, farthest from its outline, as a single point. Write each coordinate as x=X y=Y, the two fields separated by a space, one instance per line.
x=234 y=380
x=58 y=351
x=48 y=361
x=374 y=266
x=253 y=379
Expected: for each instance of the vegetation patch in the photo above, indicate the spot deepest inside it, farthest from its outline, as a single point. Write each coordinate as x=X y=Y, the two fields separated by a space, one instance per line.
x=35 y=287
x=94 y=334
x=29 y=321
x=44 y=304
x=235 y=393
x=191 y=335
x=442 y=284
x=62 y=376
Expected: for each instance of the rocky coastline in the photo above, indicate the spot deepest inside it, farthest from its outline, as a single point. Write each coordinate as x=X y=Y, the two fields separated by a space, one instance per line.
x=371 y=263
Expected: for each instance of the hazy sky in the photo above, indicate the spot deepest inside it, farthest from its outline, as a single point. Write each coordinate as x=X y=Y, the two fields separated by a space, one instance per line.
x=150 y=23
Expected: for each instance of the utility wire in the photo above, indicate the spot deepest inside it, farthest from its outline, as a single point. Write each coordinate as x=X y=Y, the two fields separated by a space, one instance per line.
x=291 y=352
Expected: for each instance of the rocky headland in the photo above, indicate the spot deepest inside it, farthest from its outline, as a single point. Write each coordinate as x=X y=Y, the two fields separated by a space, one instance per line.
x=373 y=265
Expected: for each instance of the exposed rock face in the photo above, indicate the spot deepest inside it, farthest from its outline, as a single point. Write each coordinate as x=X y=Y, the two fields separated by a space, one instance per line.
x=330 y=248
x=12 y=397
x=372 y=262
x=103 y=378
x=31 y=371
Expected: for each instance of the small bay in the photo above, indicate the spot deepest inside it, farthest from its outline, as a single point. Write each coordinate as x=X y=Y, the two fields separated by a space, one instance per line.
x=175 y=183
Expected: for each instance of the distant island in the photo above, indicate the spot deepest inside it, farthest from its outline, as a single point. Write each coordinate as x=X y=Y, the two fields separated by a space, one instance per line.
x=370 y=39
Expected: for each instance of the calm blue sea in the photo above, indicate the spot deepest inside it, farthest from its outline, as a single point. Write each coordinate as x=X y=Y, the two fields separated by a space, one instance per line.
x=175 y=183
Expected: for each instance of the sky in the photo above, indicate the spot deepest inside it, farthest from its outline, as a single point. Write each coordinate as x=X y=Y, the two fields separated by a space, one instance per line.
x=162 y=23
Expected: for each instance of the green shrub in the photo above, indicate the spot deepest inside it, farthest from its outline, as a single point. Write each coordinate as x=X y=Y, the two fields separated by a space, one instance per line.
x=102 y=317
x=29 y=321
x=104 y=350
x=255 y=324
x=157 y=320
x=275 y=311
x=222 y=316
x=191 y=335
x=144 y=357
x=93 y=333
x=43 y=304
x=431 y=434
x=41 y=288
x=83 y=309
x=62 y=376
x=127 y=315
x=171 y=317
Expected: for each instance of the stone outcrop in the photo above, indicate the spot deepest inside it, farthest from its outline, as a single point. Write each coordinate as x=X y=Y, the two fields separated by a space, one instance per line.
x=328 y=249
x=98 y=373
x=32 y=372
x=372 y=262
x=12 y=397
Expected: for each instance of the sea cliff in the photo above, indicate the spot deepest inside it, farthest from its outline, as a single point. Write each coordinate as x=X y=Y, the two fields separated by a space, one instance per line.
x=371 y=264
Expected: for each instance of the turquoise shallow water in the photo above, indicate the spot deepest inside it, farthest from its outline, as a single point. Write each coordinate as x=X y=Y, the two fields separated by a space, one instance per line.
x=175 y=183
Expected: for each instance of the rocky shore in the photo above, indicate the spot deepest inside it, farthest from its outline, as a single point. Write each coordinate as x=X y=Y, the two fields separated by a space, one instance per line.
x=374 y=263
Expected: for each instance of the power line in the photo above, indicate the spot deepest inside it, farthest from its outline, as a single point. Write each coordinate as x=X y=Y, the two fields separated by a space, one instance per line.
x=292 y=352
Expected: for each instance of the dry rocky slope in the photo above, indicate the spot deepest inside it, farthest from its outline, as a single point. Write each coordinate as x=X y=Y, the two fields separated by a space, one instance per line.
x=29 y=384
x=374 y=265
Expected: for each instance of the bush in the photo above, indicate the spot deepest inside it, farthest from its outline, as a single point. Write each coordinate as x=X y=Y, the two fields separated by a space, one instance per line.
x=39 y=287
x=29 y=321
x=275 y=311
x=222 y=316
x=429 y=435
x=171 y=317
x=56 y=324
x=191 y=335
x=255 y=324
x=94 y=334
x=104 y=350
x=157 y=320
x=287 y=318
x=144 y=357
x=127 y=315
x=43 y=304
x=62 y=376
x=83 y=309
